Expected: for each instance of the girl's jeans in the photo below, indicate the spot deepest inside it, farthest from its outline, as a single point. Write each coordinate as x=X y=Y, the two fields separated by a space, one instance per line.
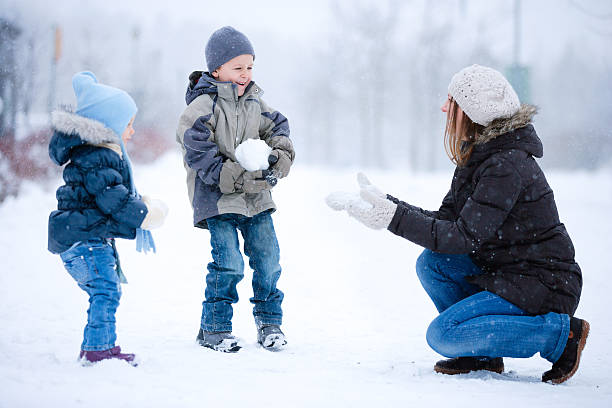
x=92 y=265
x=478 y=323
x=227 y=269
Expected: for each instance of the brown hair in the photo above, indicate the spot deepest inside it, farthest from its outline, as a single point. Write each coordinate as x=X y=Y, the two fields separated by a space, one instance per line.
x=459 y=143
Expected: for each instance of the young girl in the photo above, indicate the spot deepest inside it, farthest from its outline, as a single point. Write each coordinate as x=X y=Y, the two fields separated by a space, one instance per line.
x=98 y=203
x=498 y=263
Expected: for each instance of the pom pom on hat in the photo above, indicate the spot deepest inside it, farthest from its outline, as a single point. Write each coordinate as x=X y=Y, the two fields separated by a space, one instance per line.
x=483 y=94
x=225 y=44
x=112 y=107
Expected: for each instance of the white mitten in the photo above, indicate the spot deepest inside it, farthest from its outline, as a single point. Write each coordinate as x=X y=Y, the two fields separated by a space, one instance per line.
x=368 y=208
x=364 y=184
x=158 y=210
x=341 y=200
x=378 y=215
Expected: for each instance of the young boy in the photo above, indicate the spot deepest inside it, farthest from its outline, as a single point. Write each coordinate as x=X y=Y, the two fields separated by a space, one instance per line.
x=97 y=203
x=224 y=109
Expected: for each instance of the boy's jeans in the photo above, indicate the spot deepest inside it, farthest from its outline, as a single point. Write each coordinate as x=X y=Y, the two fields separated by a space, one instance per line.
x=479 y=323
x=227 y=269
x=92 y=264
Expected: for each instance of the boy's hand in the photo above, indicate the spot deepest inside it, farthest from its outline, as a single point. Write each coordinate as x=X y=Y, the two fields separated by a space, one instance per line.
x=253 y=182
x=279 y=163
x=235 y=179
x=231 y=177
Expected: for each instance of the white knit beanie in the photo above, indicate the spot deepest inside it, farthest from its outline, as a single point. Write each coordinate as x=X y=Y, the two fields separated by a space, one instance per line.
x=483 y=94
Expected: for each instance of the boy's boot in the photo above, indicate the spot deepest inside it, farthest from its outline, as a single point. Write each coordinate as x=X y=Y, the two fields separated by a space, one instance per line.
x=93 y=356
x=463 y=365
x=219 y=341
x=271 y=337
x=567 y=364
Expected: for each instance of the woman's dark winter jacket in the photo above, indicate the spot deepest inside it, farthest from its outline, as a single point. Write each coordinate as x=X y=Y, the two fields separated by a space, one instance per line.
x=95 y=201
x=501 y=210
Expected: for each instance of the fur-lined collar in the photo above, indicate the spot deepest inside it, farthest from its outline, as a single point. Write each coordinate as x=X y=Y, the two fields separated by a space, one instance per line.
x=504 y=125
x=89 y=130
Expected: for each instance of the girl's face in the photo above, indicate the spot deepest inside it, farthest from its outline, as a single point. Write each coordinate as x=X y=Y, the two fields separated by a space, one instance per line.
x=238 y=71
x=128 y=132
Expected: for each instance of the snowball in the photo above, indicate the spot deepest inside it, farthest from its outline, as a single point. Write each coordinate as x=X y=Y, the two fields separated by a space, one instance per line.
x=252 y=154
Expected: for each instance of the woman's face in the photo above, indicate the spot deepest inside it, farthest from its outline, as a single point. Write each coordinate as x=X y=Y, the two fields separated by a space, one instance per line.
x=446 y=108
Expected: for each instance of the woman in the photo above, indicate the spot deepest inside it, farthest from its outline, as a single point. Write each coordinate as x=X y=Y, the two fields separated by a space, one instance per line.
x=498 y=263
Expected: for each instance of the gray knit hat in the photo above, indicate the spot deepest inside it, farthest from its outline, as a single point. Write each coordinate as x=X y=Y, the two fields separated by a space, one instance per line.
x=483 y=94
x=225 y=44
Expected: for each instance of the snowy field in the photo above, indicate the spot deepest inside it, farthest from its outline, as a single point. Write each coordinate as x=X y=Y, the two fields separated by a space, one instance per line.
x=355 y=313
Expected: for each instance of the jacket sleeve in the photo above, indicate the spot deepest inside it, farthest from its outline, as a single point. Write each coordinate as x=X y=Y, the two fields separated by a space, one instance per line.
x=274 y=130
x=112 y=197
x=195 y=134
x=445 y=212
x=495 y=194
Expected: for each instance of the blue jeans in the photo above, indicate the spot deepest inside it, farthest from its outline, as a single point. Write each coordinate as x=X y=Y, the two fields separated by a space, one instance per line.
x=227 y=269
x=92 y=265
x=478 y=323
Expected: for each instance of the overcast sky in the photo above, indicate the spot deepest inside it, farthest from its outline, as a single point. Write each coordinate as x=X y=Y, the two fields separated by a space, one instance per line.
x=547 y=25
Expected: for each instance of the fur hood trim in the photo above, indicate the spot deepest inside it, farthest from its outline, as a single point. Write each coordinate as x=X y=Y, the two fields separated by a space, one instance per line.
x=89 y=130
x=500 y=126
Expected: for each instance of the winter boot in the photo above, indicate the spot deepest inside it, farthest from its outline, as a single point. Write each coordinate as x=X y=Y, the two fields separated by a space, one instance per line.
x=93 y=356
x=271 y=337
x=218 y=341
x=567 y=364
x=463 y=365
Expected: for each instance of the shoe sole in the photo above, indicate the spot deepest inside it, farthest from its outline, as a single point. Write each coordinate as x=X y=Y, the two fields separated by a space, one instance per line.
x=86 y=363
x=231 y=349
x=455 y=372
x=586 y=327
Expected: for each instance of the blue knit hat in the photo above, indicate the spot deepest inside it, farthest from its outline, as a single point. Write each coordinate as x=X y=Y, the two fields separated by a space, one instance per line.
x=225 y=44
x=112 y=107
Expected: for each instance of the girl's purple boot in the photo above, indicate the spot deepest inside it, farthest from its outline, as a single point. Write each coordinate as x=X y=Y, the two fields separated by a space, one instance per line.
x=93 y=356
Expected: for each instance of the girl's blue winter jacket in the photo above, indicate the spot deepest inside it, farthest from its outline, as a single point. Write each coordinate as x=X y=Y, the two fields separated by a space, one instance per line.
x=95 y=201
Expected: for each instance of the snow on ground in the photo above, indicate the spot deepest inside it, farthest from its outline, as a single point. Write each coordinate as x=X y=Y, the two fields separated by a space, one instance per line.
x=355 y=314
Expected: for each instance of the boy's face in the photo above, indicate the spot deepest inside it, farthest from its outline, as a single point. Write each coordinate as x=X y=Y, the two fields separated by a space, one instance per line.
x=128 y=132
x=238 y=71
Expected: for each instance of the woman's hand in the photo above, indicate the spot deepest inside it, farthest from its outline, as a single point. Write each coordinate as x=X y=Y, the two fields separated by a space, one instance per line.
x=364 y=184
x=370 y=207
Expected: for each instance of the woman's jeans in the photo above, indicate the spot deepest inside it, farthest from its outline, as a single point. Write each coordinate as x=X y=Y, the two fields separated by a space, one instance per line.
x=92 y=265
x=478 y=323
x=227 y=269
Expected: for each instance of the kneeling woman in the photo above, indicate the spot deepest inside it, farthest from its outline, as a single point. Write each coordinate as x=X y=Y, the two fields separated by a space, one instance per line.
x=498 y=263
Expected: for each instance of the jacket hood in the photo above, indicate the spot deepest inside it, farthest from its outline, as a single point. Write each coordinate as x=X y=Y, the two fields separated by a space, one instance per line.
x=201 y=83
x=500 y=126
x=71 y=130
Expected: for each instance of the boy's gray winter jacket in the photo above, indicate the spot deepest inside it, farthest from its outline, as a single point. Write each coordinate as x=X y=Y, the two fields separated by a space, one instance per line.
x=214 y=123
x=95 y=201
x=501 y=210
